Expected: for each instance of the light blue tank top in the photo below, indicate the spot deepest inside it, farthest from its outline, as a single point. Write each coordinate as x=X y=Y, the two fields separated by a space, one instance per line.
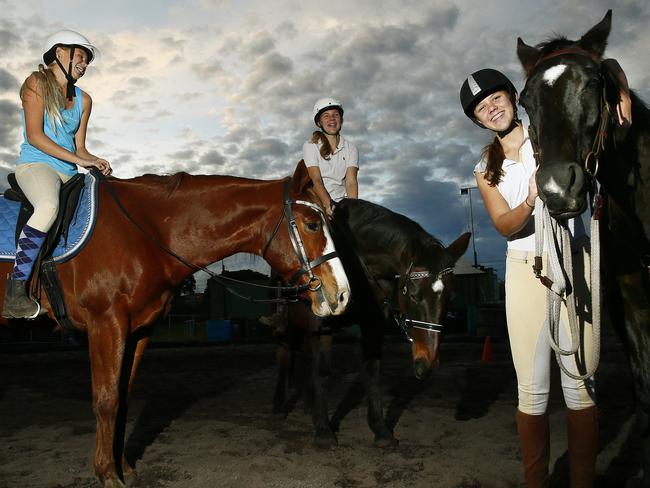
x=63 y=136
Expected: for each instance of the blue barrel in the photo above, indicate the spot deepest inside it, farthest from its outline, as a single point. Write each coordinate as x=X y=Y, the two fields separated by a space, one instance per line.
x=219 y=330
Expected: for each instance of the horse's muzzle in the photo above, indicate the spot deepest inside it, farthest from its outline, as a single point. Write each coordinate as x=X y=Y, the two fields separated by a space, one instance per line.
x=563 y=188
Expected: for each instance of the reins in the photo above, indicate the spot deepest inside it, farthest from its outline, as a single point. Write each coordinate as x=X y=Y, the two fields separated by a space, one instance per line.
x=560 y=279
x=314 y=282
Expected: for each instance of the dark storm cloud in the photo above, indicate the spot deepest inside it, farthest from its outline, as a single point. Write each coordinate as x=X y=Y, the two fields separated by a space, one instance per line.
x=10 y=123
x=139 y=82
x=205 y=71
x=212 y=158
x=264 y=148
x=177 y=44
x=7 y=81
x=8 y=40
x=269 y=68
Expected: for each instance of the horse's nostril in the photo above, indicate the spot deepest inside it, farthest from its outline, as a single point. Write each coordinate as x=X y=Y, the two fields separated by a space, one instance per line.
x=343 y=297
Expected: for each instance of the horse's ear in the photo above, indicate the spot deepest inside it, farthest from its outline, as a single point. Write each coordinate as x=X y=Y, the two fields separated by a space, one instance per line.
x=595 y=41
x=528 y=55
x=457 y=248
x=300 y=180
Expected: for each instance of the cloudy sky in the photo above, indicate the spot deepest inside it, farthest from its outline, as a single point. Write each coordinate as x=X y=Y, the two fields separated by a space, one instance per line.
x=227 y=86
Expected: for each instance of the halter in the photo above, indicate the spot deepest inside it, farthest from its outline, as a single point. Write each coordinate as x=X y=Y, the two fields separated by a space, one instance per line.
x=402 y=317
x=592 y=159
x=308 y=266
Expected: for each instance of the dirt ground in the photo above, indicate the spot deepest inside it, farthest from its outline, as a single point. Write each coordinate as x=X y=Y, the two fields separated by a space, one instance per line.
x=201 y=417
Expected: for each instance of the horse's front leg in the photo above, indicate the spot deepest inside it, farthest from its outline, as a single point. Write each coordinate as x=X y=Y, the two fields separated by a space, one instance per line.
x=636 y=302
x=372 y=341
x=106 y=344
x=283 y=363
x=321 y=349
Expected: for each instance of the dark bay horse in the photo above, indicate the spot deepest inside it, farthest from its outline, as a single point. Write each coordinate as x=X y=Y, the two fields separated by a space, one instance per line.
x=396 y=271
x=122 y=281
x=570 y=97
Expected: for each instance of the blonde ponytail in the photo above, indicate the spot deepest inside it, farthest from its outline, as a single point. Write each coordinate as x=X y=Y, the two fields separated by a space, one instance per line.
x=50 y=90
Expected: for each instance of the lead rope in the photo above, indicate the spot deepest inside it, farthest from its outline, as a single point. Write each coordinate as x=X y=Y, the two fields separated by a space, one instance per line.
x=559 y=243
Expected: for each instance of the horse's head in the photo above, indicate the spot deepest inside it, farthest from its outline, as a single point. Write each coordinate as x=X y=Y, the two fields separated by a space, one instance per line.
x=424 y=290
x=305 y=253
x=568 y=100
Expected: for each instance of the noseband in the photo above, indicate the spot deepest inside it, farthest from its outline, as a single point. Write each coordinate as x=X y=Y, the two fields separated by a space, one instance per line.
x=402 y=317
x=307 y=266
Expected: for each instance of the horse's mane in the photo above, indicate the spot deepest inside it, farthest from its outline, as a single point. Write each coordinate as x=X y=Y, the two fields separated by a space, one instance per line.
x=389 y=229
x=553 y=44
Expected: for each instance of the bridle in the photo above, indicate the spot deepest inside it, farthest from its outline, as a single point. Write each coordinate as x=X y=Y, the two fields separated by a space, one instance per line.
x=402 y=315
x=307 y=266
x=314 y=282
x=592 y=159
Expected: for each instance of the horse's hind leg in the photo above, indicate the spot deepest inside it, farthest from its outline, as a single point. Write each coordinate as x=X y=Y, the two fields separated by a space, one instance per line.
x=106 y=343
x=135 y=351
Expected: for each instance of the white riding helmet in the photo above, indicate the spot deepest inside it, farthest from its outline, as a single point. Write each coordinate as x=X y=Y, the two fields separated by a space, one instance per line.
x=326 y=103
x=67 y=38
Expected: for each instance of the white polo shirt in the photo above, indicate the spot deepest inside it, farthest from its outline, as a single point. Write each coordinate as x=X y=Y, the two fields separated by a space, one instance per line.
x=514 y=189
x=333 y=169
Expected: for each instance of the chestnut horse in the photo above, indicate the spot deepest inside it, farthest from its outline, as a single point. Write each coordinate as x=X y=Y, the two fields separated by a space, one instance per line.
x=398 y=273
x=571 y=97
x=126 y=276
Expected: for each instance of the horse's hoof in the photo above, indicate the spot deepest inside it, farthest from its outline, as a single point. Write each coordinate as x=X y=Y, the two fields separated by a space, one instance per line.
x=130 y=477
x=113 y=483
x=385 y=442
x=326 y=440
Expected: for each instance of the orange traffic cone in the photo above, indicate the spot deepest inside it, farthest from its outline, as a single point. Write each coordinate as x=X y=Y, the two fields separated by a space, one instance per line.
x=486 y=357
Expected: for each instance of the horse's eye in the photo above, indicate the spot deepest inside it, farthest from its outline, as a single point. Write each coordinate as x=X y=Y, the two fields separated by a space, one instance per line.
x=312 y=226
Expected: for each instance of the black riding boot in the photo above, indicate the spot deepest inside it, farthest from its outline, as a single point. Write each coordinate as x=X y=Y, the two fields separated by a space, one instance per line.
x=18 y=304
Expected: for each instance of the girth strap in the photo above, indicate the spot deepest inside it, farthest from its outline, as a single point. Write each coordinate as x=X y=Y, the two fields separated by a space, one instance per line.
x=54 y=292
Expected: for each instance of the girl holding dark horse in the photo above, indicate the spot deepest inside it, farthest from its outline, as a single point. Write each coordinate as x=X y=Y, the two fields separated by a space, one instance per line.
x=332 y=161
x=506 y=179
x=55 y=118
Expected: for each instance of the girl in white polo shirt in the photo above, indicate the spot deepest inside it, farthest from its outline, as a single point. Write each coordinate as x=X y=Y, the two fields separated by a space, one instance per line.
x=332 y=161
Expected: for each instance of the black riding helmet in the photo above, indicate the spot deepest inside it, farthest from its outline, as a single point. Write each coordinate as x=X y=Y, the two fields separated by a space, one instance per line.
x=479 y=85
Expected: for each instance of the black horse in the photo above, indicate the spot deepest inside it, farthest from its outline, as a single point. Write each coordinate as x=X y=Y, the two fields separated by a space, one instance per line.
x=396 y=271
x=570 y=97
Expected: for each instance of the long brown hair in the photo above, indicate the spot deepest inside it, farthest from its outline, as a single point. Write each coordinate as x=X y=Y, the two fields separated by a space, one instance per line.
x=493 y=155
x=50 y=90
x=325 y=148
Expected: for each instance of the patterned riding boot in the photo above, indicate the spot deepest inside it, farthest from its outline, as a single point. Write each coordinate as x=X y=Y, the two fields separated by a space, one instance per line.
x=534 y=438
x=17 y=303
x=582 y=432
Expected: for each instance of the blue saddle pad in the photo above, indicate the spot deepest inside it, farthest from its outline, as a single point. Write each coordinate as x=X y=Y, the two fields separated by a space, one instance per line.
x=81 y=226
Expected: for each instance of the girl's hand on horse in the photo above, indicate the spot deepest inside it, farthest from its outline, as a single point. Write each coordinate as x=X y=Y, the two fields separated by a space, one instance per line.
x=532 y=190
x=329 y=209
x=624 y=108
x=101 y=164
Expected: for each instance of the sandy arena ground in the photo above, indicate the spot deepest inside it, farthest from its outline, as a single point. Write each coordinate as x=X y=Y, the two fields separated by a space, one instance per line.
x=201 y=417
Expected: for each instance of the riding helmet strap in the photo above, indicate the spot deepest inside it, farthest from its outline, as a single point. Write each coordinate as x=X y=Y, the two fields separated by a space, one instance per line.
x=69 y=91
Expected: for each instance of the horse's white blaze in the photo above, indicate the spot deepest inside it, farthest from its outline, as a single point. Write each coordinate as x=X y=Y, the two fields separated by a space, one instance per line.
x=339 y=275
x=551 y=186
x=552 y=74
x=438 y=286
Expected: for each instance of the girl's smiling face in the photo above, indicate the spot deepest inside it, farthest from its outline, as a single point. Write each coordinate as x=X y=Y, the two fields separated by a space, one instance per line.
x=495 y=111
x=79 y=60
x=330 y=121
